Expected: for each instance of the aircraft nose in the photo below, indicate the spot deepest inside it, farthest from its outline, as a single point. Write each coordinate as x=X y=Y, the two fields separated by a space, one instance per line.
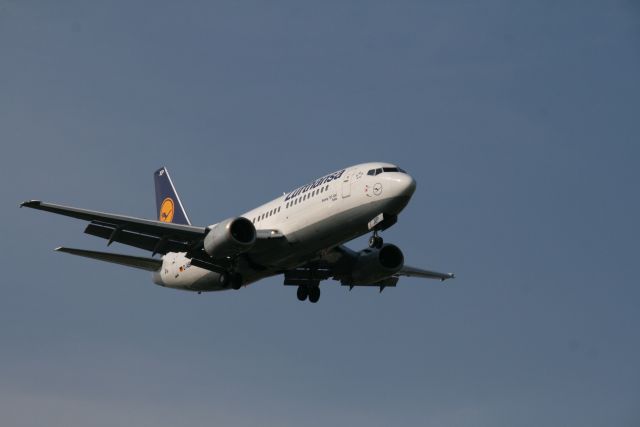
x=403 y=184
x=407 y=185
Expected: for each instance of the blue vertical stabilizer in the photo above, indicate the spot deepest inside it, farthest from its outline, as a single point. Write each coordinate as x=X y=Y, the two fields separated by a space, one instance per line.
x=168 y=204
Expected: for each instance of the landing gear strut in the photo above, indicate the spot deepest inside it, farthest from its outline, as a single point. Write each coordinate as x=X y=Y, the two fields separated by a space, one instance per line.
x=236 y=281
x=375 y=241
x=311 y=292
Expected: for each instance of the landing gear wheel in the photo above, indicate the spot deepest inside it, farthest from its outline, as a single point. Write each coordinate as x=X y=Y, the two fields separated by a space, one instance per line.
x=302 y=293
x=236 y=281
x=314 y=294
x=375 y=241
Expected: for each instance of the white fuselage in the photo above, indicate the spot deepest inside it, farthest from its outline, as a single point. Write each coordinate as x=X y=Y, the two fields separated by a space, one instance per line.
x=313 y=219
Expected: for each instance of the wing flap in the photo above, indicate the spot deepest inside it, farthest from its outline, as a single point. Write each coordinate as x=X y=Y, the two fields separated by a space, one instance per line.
x=150 y=243
x=143 y=263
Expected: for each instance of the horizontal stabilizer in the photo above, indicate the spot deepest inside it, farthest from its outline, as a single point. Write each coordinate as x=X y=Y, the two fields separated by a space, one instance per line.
x=427 y=274
x=149 y=264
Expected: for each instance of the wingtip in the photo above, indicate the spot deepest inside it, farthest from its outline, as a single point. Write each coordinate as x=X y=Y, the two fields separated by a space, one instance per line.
x=30 y=203
x=449 y=276
x=59 y=248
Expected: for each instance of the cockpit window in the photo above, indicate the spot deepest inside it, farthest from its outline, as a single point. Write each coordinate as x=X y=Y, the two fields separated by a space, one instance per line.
x=374 y=172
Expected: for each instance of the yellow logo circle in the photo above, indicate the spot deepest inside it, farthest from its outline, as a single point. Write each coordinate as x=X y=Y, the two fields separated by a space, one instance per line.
x=166 y=210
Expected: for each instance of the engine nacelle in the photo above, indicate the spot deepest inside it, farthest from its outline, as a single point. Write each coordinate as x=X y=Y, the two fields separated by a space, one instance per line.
x=374 y=265
x=230 y=237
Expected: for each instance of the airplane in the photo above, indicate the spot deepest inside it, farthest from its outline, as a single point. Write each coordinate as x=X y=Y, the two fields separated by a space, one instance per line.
x=300 y=235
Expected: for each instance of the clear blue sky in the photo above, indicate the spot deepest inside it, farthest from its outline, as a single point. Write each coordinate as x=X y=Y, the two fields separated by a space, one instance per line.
x=519 y=120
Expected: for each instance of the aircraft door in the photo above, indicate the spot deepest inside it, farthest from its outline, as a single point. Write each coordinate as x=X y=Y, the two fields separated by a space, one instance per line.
x=346 y=186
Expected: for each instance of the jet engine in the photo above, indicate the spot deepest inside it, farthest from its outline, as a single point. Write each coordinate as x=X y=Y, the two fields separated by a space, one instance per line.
x=230 y=237
x=374 y=265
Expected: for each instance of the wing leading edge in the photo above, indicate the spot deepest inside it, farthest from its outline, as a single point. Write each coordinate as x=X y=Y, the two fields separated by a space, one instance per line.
x=123 y=222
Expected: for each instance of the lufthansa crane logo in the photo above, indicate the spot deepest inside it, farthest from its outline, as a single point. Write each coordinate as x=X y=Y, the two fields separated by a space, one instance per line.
x=166 y=210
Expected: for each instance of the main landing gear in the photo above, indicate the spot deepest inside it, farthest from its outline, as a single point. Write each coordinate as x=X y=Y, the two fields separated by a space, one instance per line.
x=235 y=280
x=375 y=241
x=311 y=292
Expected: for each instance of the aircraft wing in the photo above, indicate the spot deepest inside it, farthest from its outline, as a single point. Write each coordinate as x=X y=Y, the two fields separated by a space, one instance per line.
x=341 y=257
x=156 y=236
x=337 y=264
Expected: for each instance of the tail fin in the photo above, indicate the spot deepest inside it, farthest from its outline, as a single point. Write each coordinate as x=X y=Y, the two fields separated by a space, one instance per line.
x=168 y=202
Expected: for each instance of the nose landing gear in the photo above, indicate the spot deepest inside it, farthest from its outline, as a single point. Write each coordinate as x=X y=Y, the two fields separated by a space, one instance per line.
x=375 y=241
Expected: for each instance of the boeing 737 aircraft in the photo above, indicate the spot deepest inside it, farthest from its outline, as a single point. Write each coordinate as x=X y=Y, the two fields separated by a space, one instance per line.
x=300 y=235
